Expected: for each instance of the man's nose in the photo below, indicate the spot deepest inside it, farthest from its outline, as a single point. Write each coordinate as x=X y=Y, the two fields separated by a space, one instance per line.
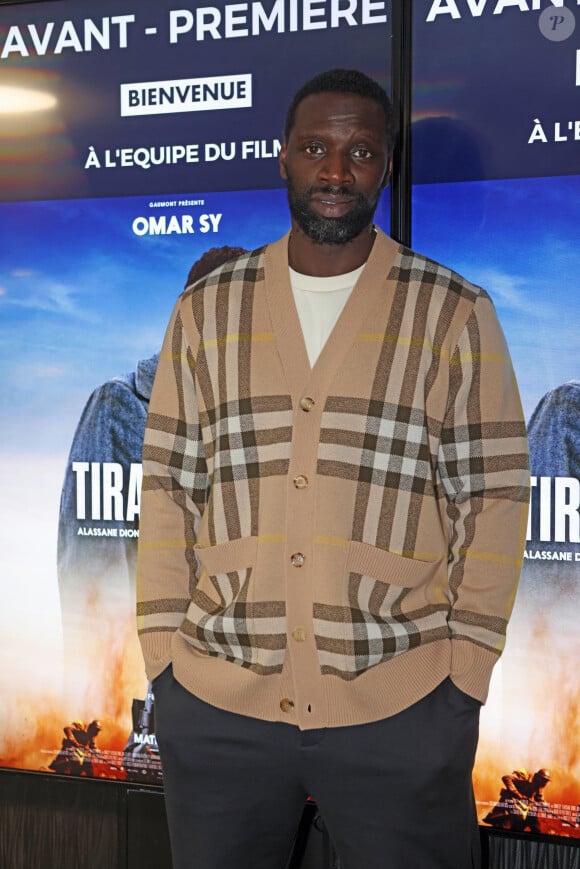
x=335 y=168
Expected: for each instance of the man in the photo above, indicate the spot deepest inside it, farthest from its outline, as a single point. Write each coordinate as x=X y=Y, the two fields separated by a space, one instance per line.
x=554 y=432
x=78 y=750
x=517 y=807
x=334 y=504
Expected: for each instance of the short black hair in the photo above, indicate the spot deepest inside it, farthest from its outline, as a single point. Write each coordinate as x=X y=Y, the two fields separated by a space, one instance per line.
x=343 y=81
x=210 y=260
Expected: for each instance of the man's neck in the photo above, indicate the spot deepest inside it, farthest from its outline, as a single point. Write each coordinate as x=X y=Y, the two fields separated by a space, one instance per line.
x=325 y=260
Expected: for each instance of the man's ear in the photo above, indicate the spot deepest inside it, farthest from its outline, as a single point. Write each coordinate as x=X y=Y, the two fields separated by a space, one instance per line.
x=389 y=171
x=282 y=161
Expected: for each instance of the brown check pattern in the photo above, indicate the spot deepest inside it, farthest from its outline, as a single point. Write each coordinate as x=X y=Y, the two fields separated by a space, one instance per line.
x=413 y=450
x=376 y=443
x=234 y=629
x=374 y=628
x=248 y=438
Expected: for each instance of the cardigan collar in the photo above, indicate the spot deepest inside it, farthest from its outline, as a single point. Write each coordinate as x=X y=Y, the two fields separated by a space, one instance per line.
x=372 y=287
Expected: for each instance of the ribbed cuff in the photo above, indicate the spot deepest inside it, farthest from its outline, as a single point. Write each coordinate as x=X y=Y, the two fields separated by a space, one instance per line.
x=471 y=668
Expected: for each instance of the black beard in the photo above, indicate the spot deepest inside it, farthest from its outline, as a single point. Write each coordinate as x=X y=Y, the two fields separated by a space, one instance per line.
x=330 y=230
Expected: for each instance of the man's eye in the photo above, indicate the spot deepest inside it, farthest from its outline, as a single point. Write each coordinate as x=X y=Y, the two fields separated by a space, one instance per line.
x=313 y=149
x=362 y=153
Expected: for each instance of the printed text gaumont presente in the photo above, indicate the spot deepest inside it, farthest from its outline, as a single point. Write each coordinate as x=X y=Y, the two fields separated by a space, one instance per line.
x=232 y=21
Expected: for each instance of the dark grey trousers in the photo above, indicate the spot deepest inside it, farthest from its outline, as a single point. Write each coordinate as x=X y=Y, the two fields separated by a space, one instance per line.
x=393 y=794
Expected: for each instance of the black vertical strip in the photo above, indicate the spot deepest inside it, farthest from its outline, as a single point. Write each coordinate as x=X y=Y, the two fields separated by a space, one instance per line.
x=401 y=76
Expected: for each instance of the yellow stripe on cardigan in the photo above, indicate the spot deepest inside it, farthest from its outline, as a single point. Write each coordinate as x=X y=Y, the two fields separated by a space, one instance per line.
x=437 y=351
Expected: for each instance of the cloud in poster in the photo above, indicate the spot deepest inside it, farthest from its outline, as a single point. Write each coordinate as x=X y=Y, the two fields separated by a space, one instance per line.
x=46 y=295
x=508 y=291
x=512 y=294
x=48 y=372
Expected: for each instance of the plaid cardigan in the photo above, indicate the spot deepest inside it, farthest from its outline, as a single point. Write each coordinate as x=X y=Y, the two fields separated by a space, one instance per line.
x=324 y=546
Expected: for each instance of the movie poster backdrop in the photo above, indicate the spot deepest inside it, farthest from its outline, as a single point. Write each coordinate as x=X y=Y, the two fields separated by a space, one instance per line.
x=158 y=140
x=496 y=196
x=133 y=138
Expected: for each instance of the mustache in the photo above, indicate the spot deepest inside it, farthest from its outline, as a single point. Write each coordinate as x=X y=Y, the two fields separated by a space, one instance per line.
x=332 y=190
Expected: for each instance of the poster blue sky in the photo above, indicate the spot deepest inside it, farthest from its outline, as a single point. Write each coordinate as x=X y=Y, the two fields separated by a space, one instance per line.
x=83 y=296
x=86 y=290
x=518 y=238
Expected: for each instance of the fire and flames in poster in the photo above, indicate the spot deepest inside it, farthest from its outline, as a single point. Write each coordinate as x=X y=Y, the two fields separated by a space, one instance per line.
x=528 y=769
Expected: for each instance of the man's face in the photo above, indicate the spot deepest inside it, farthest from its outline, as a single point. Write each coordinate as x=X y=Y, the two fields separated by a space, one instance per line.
x=335 y=163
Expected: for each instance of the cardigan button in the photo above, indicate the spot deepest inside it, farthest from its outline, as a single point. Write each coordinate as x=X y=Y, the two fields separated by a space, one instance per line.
x=299 y=634
x=307 y=403
x=300 y=482
x=286 y=705
x=297 y=560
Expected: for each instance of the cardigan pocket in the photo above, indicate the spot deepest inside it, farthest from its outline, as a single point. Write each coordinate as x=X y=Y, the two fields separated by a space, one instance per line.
x=222 y=621
x=393 y=604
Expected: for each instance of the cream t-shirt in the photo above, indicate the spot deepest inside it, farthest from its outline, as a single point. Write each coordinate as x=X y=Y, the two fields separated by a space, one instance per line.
x=319 y=302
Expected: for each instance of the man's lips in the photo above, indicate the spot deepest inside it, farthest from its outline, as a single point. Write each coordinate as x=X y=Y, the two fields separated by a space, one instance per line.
x=332 y=198
x=332 y=204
